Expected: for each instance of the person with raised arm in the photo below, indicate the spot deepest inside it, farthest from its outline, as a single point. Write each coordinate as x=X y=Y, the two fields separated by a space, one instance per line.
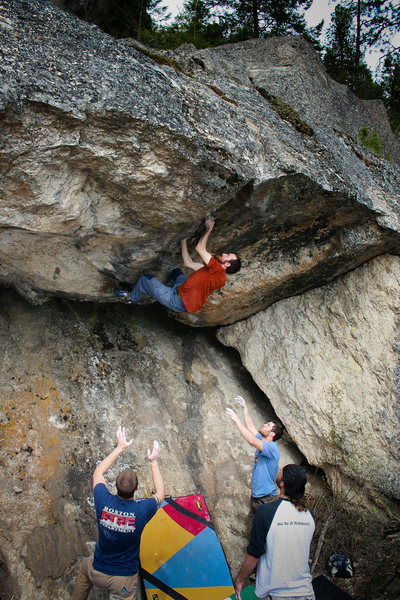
x=266 y=460
x=120 y=521
x=187 y=293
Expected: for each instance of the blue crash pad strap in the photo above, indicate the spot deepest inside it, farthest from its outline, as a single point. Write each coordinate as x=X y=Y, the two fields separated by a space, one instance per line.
x=161 y=585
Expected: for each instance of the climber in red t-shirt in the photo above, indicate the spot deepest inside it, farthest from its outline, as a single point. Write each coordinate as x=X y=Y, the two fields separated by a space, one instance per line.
x=188 y=293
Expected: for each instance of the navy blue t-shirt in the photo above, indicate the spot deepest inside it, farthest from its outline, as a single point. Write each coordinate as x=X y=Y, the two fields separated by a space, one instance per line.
x=120 y=523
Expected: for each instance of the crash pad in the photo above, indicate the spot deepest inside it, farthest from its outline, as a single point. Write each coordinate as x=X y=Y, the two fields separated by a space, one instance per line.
x=247 y=593
x=180 y=554
x=327 y=590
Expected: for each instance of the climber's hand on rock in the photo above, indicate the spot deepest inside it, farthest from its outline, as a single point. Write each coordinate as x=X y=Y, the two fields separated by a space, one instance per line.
x=232 y=414
x=241 y=401
x=153 y=456
x=121 y=437
x=209 y=223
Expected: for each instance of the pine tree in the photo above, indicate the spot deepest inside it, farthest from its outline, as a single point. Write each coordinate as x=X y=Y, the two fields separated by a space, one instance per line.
x=120 y=18
x=391 y=90
x=340 y=54
x=196 y=24
x=344 y=57
x=194 y=18
x=262 y=18
x=383 y=25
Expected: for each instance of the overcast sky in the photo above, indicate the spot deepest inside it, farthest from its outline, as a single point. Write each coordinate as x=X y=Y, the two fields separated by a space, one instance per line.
x=320 y=9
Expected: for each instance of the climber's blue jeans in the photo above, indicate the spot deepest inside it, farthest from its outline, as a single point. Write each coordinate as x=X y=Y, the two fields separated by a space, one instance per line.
x=164 y=294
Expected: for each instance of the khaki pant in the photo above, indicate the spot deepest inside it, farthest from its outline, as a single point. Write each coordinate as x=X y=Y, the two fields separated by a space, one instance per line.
x=119 y=587
x=256 y=502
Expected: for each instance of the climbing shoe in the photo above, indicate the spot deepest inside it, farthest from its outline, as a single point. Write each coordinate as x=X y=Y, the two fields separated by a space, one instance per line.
x=122 y=294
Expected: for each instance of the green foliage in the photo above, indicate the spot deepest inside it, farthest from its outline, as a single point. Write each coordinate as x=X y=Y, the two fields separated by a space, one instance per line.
x=340 y=54
x=125 y=18
x=195 y=16
x=382 y=25
x=263 y=18
x=206 y=23
x=372 y=142
x=391 y=90
x=196 y=24
x=119 y=18
x=341 y=58
x=158 y=58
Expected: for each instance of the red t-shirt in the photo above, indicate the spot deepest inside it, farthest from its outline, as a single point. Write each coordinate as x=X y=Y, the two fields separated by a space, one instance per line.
x=200 y=284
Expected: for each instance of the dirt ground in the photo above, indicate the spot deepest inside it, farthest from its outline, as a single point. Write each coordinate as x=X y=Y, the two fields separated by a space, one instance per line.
x=371 y=540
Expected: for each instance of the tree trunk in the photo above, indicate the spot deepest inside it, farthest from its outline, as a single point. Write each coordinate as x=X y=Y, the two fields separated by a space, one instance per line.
x=358 y=52
x=255 y=19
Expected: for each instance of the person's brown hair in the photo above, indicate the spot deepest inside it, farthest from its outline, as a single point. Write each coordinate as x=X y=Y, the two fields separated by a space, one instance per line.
x=277 y=430
x=126 y=484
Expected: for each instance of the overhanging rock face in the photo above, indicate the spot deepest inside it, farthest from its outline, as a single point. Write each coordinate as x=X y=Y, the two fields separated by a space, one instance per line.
x=110 y=158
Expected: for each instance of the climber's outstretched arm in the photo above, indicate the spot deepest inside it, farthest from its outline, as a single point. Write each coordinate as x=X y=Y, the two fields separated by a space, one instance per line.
x=201 y=247
x=102 y=468
x=187 y=259
x=246 y=433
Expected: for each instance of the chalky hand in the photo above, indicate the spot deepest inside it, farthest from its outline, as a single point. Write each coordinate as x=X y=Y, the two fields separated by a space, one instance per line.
x=121 y=437
x=153 y=456
x=241 y=401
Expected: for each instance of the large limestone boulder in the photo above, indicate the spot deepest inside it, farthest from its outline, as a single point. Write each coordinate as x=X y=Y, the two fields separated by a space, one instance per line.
x=109 y=158
x=289 y=68
x=328 y=360
x=70 y=374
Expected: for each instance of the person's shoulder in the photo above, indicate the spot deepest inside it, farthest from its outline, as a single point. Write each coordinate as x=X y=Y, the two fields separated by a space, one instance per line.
x=215 y=266
x=147 y=506
x=276 y=447
x=270 y=448
x=100 y=487
x=146 y=501
x=212 y=263
x=267 y=511
x=273 y=446
x=273 y=505
x=100 y=491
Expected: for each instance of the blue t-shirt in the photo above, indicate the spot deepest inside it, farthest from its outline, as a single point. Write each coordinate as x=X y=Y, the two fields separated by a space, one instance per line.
x=265 y=469
x=120 y=523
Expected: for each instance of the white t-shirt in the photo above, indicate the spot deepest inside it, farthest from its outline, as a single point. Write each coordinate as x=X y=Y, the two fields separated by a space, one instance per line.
x=280 y=538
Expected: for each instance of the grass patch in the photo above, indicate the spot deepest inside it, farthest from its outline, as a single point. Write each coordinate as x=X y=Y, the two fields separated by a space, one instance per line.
x=221 y=94
x=158 y=58
x=285 y=111
x=371 y=141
